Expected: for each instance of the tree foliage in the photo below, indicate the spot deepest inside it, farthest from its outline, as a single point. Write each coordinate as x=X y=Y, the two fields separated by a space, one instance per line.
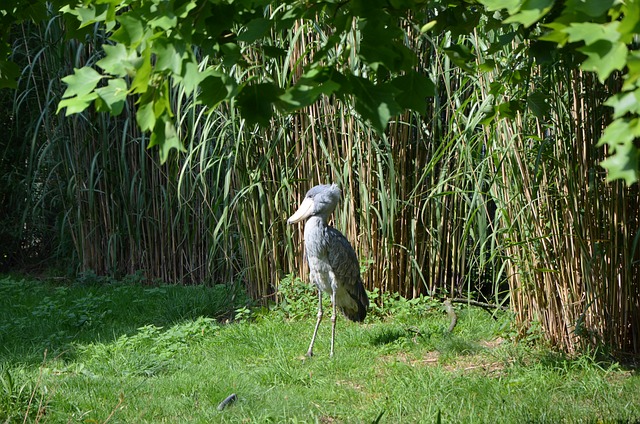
x=603 y=35
x=157 y=44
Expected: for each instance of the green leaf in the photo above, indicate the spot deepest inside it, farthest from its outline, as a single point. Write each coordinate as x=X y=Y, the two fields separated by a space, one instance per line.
x=191 y=77
x=130 y=32
x=166 y=138
x=633 y=71
x=9 y=73
x=620 y=132
x=556 y=33
x=591 y=33
x=413 y=91
x=164 y=22
x=604 y=57
x=82 y=82
x=118 y=60
x=256 y=102
x=461 y=56
x=76 y=104
x=213 y=90
x=114 y=95
x=624 y=164
x=537 y=103
x=145 y=116
x=255 y=30
x=142 y=78
x=630 y=23
x=91 y=13
x=301 y=95
x=530 y=12
x=312 y=84
x=510 y=5
x=169 y=55
x=592 y=8
x=623 y=103
x=375 y=102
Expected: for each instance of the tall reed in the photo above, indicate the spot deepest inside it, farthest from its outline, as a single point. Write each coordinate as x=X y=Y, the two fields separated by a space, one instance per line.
x=446 y=202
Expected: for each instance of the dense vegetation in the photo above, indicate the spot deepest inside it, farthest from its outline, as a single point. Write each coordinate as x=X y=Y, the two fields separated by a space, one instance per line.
x=99 y=350
x=463 y=137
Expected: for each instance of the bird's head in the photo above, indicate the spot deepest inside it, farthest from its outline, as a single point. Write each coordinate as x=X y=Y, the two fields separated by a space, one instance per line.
x=321 y=200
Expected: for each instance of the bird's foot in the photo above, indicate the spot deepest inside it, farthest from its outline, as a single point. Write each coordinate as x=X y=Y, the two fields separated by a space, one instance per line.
x=309 y=354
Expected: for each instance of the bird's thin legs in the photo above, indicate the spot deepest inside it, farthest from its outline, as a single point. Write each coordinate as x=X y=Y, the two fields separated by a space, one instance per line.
x=315 y=331
x=333 y=319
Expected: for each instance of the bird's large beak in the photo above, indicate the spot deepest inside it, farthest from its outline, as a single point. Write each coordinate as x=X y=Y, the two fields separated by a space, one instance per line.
x=305 y=209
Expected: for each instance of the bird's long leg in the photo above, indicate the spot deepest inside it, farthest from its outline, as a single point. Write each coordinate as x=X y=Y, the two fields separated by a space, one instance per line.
x=333 y=318
x=315 y=331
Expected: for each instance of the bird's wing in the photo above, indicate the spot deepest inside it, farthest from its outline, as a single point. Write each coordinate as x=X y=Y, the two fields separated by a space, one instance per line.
x=351 y=296
x=342 y=257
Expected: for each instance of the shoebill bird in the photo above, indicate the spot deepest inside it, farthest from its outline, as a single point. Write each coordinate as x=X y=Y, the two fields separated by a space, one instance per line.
x=333 y=264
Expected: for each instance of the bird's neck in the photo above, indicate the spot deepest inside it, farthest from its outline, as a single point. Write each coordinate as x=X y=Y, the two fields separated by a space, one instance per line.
x=314 y=230
x=315 y=223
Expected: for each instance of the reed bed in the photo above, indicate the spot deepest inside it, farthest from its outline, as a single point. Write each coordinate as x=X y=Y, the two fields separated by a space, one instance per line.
x=446 y=203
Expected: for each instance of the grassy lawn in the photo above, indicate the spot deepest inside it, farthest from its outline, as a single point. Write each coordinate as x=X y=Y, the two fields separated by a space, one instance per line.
x=96 y=352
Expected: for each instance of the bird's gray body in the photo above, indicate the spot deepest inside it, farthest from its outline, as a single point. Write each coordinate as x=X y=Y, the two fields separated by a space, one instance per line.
x=333 y=264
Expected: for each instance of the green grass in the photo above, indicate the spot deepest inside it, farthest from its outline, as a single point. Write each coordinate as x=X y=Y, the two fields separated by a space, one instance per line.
x=132 y=353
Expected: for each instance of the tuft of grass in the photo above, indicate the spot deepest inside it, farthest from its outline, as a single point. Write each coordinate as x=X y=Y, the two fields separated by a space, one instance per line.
x=146 y=362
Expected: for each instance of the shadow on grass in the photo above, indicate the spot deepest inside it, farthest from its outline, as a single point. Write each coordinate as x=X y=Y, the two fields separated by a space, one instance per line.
x=40 y=316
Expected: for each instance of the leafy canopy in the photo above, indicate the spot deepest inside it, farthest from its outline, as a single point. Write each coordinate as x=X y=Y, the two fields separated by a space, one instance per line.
x=157 y=44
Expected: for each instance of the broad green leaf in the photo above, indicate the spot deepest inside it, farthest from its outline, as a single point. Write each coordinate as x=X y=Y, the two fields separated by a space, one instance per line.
x=169 y=55
x=604 y=57
x=145 y=116
x=118 y=60
x=592 y=8
x=620 y=132
x=537 y=103
x=413 y=91
x=191 y=77
x=82 y=82
x=166 y=138
x=630 y=23
x=633 y=71
x=185 y=7
x=375 y=103
x=461 y=56
x=113 y=95
x=301 y=95
x=312 y=84
x=623 y=103
x=165 y=22
x=590 y=33
x=384 y=45
x=92 y=13
x=232 y=54
x=511 y=5
x=624 y=164
x=213 y=90
x=556 y=33
x=130 y=32
x=255 y=30
x=508 y=109
x=76 y=104
x=256 y=102
x=142 y=78
x=9 y=73
x=530 y=12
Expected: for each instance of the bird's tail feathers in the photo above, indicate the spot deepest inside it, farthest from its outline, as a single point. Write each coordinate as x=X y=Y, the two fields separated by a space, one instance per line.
x=356 y=310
